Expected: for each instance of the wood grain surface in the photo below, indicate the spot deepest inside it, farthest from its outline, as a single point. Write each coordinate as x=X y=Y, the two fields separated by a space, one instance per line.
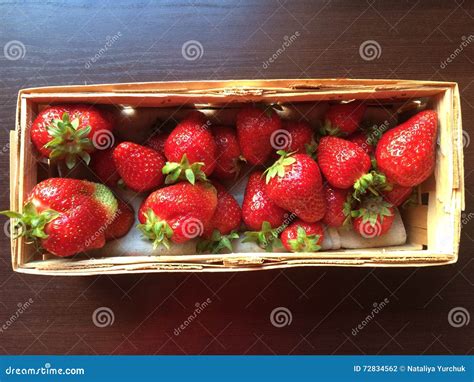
x=77 y=42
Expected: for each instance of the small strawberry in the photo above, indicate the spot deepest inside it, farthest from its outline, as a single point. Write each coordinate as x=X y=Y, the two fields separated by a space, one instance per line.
x=103 y=166
x=122 y=221
x=157 y=142
x=396 y=194
x=406 y=153
x=255 y=127
x=337 y=206
x=66 y=216
x=343 y=119
x=224 y=224
x=190 y=147
x=177 y=213
x=69 y=132
x=374 y=217
x=300 y=236
x=295 y=137
x=139 y=167
x=228 y=154
x=362 y=140
x=294 y=183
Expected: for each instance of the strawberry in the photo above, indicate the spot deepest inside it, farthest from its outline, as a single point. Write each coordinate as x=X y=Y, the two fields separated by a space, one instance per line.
x=260 y=214
x=122 y=221
x=69 y=132
x=363 y=141
x=224 y=224
x=294 y=137
x=228 y=154
x=396 y=194
x=190 y=148
x=139 y=167
x=177 y=213
x=343 y=119
x=406 y=153
x=157 y=142
x=66 y=216
x=255 y=127
x=374 y=217
x=294 y=183
x=103 y=166
x=301 y=236
x=337 y=207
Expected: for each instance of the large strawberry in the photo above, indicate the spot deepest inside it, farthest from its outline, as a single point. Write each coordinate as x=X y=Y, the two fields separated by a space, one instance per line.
x=228 y=154
x=177 y=213
x=139 y=167
x=255 y=126
x=66 y=216
x=69 y=132
x=374 y=217
x=294 y=137
x=294 y=183
x=337 y=206
x=122 y=221
x=406 y=153
x=157 y=142
x=191 y=150
x=301 y=236
x=224 y=224
x=343 y=119
x=103 y=166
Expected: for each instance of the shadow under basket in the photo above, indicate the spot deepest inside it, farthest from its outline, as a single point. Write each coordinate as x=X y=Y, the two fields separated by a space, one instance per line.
x=433 y=225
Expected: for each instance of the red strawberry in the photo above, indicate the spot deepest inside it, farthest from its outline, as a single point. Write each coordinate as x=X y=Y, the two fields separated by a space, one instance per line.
x=103 y=166
x=294 y=137
x=66 y=216
x=255 y=127
x=122 y=221
x=374 y=217
x=190 y=147
x=157 y=142
x=362 y=140
x=179 y=212
x=294 y=183
x=66 y=132
x=139 y=167
x=228 y=153
x=337 y=207
x=396 y=194
x=300 y=236
x=344 y=119
x=406 y=153
x=224 y=224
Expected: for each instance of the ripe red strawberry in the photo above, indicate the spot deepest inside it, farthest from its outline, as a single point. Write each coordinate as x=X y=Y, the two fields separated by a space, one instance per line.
x=363 y=141
x=294 y=183
x=103 y=166
x=66 y=216
x=122 y=221
x=224 y=224
x=157 y=142
x=255 y=127
x=179 y=212
x=139 y=167
x=396 y=194
x=191 y=142
x=374 y=217
x=69 y=132
x=344 y=119
x=294 y=137
x=337 y=207
x=406 y=153
x=228 y=154
x=300 y=236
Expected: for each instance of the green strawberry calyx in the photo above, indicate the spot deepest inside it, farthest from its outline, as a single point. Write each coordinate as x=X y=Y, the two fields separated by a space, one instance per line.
x=267 y=238
x=156 y=230
x=329 y=129
x=69 y=141
x=30 y=223
x=218 y=243
x=184 y=171
x=373 y=209
x=278 y=168
x=304 y=242
x=372 y=181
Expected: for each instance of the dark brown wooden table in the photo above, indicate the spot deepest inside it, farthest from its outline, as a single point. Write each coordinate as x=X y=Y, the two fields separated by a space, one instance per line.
x=53 y=43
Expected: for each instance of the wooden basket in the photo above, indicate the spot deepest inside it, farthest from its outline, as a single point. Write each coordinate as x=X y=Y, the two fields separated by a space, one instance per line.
x=433 y=227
